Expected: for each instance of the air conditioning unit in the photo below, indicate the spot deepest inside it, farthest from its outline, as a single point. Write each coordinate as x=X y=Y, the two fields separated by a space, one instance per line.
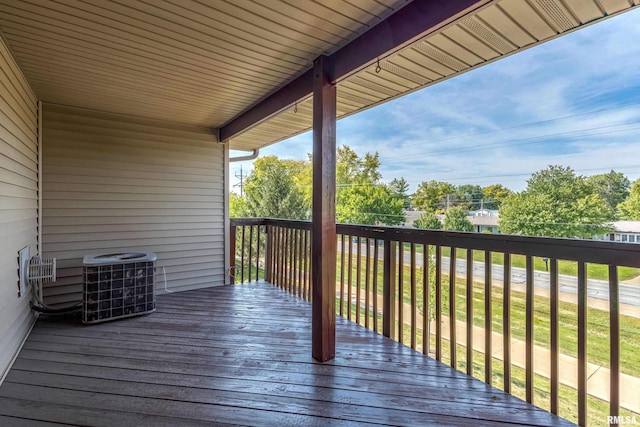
x=118 y=285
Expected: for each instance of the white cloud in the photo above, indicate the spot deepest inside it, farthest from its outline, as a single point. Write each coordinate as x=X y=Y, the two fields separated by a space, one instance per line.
x=472 y=128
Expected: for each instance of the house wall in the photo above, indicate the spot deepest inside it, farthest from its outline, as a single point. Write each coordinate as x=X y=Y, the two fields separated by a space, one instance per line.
x=18 y=200
x=114 y=183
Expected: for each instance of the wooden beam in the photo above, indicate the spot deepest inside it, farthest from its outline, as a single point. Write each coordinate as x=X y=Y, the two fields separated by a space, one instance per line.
x=278 y=101
x=323 y=229
x=415 y=20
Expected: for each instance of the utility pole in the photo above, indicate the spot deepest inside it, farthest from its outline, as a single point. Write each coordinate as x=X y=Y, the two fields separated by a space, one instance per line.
x=241 y=177
x=447 y=203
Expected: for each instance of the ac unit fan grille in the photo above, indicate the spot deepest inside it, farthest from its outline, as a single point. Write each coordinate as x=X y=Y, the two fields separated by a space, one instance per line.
x=118 y=290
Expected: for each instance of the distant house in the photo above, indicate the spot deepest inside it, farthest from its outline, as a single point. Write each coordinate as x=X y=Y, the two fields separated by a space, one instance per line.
x=483 y=220
x=484 y=223
x=624 y=231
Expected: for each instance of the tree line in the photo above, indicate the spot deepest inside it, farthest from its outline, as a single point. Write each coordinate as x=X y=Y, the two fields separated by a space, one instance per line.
x=556 y=202
x=282 y=188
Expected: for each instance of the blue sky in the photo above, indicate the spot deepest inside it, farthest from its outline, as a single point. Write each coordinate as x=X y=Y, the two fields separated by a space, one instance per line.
x=573 y=101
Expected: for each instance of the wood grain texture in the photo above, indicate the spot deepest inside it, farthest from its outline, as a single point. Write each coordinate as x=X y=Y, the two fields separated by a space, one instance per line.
x=239 y=355
x=323 y=227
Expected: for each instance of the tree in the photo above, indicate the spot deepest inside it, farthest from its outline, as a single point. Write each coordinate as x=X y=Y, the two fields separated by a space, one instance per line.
x=470 y=196
x=271 y=189
x=428 y=221
x=494 y=195
x=613 y=187
x=360 y=196
x=556 y=203
x=351 y=168
x=400 y=188
x=630 y=207
x=456 y=219
x=369 y=203
x=432 y=196
x=237 y=206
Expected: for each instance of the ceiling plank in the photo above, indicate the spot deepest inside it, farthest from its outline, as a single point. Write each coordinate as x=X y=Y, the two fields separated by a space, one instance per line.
x=412 y=21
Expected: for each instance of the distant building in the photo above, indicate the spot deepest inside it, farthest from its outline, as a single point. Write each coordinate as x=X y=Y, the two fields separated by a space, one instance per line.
x=484 y=223
x=483 y=220
x=624 y=231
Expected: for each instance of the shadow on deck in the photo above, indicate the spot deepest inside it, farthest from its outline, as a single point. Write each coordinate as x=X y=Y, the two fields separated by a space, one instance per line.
x=239 y=355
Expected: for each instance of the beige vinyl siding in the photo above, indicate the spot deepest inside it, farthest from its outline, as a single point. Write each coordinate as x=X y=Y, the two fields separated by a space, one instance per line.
x=114 y=183
x=18 y=200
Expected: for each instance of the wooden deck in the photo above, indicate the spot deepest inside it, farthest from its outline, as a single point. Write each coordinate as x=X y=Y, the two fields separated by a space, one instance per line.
x=239 y=355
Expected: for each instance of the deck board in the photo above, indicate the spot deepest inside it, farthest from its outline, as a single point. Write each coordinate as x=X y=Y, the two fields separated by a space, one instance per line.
x=239 y=355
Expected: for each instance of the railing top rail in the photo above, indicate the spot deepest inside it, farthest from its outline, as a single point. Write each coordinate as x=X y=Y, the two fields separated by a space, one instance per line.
x=246 y=221
x=590 y=251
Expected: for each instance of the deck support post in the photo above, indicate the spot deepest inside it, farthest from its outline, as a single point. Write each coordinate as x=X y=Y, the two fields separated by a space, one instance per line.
x=323 y=229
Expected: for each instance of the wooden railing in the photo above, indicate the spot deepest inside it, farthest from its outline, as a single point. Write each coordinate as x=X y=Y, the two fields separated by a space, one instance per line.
x=402 y=299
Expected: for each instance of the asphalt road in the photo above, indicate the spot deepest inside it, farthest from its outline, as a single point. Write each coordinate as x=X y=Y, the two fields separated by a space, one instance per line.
x=629 y=293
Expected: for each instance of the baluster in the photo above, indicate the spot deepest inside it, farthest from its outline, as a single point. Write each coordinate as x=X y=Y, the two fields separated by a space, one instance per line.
x=452 y=308
x=487 y=318
x=400 y=308
x=367 y=311
x=375 y=285
x=258 y=227
x=506 y=321
x=414 y=302
x=469 y=325
x=614 y=356
x=426 y=333
x=358 y=277
x=342 y=251
x=438 y=303
x=529 y=330
x=242 y=257
x=582 y=343
x=250 y=252
x=232 y=254
x=349 y=274
x=388 y=291
x=294 y=262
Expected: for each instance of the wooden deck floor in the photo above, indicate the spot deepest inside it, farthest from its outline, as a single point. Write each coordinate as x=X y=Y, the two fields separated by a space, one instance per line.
x=238 y=355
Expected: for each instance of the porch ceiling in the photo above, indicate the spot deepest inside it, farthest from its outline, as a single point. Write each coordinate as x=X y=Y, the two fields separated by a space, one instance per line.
x=204 y=63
